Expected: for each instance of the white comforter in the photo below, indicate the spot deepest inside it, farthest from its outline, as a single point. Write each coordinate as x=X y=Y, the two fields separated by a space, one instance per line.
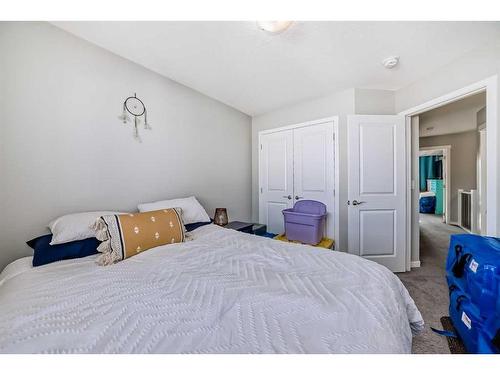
x=223 y=292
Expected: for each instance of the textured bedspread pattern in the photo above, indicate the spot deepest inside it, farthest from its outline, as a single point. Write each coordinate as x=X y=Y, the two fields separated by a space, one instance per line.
x=223 y=292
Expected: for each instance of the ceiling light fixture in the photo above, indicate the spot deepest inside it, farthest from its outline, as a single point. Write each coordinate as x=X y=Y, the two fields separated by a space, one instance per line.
x=274 y=27
x=391 y=62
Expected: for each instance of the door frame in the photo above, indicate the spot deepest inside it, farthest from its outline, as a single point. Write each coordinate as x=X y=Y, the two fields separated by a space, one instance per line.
x=446 y=150
x=336 y=198
x=490 y=86
x=481 y=178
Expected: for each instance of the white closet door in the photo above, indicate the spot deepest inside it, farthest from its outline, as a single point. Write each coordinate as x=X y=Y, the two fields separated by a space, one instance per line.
x=377 y=193
x=276 y=179
x=314 y=167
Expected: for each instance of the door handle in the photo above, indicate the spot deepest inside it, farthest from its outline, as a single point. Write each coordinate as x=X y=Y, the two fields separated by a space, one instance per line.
x=297 y=197
x=356 y=203
x=287 y=196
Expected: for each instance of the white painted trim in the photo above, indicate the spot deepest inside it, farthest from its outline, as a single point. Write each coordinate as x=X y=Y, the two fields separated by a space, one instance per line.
x=435 y=148
x=432 y=152
x=473 y=201
x=337 y=182
x=490 y=85
x=481 y=178
x=451 y=97
x=409 y=193
x=415 y=264
x=474 y=211
x=492 y=188
x=446 y=150
x=335 y=120
x=459 y=213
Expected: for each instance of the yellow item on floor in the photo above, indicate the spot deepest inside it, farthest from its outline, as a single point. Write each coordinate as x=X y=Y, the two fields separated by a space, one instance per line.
x=325 y=242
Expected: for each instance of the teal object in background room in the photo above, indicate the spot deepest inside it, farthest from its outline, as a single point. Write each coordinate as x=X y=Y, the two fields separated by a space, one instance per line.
x=436 y=186
x=430 y=168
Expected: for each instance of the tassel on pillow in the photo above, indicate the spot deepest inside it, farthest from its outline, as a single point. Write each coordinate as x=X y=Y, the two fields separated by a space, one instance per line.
x=126 y=235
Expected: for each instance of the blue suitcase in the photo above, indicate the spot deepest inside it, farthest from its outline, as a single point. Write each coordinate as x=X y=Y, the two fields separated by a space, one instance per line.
x=473 y=275
x=473 y=264
x=466 y=319
x=489 y=336
x=427 y=205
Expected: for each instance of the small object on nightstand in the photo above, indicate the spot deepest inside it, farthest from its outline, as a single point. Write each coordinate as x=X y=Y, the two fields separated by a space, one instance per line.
x=220 y=217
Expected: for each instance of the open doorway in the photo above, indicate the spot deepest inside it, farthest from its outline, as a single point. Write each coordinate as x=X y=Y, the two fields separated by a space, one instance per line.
x=444 y=159
x=426 y=282
x=434 y=184
x=451 y=174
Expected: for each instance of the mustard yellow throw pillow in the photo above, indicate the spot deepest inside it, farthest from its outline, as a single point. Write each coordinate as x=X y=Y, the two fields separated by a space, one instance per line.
x=129 y=234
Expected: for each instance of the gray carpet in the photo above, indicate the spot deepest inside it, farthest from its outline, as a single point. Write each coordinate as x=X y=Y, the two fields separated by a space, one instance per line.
x=427 y=284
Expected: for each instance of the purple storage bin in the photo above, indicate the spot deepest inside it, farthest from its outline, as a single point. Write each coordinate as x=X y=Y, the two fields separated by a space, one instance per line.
x=305 y=222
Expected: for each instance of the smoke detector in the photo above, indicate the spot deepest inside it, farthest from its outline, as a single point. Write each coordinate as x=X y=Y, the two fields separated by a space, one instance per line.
x=391 y=62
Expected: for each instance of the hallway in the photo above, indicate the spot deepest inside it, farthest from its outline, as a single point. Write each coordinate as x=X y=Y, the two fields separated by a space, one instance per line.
x=427 y=284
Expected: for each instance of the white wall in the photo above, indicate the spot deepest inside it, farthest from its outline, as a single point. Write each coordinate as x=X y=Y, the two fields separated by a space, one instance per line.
x=456 y=117
x=475 y=66
x=352 y=101
x=374 y=102
x=62 y=148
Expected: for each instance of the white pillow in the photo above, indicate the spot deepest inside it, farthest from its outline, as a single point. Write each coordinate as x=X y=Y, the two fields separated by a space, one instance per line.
x=192 y=210
x=74 y=227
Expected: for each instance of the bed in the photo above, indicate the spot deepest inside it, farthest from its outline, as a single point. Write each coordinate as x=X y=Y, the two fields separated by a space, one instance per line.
x=222 y=292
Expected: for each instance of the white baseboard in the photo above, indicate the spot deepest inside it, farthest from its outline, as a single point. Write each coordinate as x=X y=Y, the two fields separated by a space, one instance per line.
x=415 y=264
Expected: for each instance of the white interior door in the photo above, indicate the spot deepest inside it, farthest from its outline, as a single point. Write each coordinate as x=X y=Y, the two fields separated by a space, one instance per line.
x=376 y=183
x=314 y=167
x=276 y=179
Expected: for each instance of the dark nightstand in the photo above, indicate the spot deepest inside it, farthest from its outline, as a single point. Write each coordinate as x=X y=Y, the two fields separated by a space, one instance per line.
x=259 y=229
x=250 y=228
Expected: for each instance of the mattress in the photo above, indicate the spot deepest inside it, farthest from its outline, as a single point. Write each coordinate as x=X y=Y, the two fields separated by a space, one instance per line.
x=222 y=292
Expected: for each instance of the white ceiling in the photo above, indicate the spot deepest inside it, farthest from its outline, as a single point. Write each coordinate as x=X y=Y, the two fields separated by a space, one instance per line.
x=256 y=72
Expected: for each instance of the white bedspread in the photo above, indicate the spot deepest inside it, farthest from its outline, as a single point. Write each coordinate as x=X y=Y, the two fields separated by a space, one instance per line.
x=223 y=292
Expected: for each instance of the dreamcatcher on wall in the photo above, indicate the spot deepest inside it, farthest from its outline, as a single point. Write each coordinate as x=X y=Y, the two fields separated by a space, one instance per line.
x=135 y=107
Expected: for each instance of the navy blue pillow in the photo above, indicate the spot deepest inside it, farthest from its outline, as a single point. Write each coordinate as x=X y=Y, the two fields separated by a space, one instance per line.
x=45 y=253
x=193 y=226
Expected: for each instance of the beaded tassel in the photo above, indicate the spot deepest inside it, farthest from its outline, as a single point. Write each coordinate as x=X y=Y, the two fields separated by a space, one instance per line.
x=146 y=124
